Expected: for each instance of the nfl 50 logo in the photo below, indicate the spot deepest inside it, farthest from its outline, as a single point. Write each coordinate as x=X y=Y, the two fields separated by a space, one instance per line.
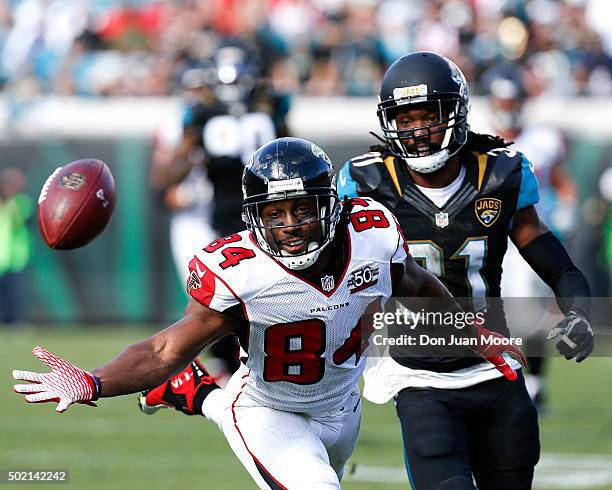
x=362 y=278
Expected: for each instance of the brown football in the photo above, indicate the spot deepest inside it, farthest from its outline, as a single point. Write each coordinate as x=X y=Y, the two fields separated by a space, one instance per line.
x=76 y=203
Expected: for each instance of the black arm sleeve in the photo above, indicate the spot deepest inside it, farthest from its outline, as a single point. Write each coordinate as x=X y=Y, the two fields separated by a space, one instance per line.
x=397 y=271
x=548 y=258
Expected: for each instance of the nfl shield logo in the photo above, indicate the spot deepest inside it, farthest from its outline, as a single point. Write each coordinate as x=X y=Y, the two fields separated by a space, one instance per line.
x=73 y=181
x=327 y=283
x=442 y=219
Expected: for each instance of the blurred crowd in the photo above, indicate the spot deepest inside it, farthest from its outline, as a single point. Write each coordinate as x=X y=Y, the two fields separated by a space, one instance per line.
x=319 y=47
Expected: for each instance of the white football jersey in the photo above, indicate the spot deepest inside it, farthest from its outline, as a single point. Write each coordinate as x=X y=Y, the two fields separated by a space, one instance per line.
x=304 y=339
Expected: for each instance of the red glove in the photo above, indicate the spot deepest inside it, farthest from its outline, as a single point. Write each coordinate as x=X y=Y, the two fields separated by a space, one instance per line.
x=65 y=384
x=492 y=345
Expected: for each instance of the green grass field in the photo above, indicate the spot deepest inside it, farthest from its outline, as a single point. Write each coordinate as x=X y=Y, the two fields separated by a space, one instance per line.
x=115 y=446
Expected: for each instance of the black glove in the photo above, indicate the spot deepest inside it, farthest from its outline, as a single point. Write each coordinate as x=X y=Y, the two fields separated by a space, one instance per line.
x=575 y=336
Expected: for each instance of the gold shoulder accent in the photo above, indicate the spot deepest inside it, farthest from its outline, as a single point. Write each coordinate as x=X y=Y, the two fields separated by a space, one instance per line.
x=482 y=167
x=389 y=163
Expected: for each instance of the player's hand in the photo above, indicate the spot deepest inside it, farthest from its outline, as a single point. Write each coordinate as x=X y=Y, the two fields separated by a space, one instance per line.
x=493 y=352
x=65 y=384
x=575 y=337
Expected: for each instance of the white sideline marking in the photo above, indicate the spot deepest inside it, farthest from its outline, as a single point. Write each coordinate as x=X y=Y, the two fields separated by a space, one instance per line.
x=555 y=471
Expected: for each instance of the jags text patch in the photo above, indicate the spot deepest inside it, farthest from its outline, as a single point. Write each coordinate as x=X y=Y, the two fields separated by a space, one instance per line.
x=487 y=210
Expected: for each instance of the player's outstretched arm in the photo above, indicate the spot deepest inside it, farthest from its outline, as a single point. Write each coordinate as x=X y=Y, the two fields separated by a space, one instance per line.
x=416 y=281
x=549 y=259
x=140 y=366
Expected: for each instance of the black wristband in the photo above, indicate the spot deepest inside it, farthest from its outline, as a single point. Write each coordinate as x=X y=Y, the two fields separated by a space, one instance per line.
x=97 y=386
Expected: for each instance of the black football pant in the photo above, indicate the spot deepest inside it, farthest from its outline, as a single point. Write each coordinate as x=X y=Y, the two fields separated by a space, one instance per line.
x=487 y=433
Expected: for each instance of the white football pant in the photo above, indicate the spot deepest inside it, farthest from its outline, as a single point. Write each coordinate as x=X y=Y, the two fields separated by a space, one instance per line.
x=285 y=450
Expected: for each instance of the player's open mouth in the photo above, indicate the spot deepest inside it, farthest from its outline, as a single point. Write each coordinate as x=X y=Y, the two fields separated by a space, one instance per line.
x=294 y=246
x=421 y=150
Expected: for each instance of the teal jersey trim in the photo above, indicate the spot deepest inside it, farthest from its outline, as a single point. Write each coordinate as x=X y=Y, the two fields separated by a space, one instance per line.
x=529 y=193
x=187 y=115
x=347 y=186
x=406 y=462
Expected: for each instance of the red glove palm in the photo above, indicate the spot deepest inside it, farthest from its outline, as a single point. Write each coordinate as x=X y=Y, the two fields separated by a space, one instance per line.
x=492 y=345
x=65 y=384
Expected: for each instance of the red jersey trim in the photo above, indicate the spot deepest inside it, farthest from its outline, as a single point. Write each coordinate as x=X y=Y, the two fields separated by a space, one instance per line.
x=216 y=276
x=303 y=279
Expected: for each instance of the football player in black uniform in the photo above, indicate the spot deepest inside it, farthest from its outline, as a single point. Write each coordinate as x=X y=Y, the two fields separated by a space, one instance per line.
x=221 y=132
x=458 y=196
x=226 y=131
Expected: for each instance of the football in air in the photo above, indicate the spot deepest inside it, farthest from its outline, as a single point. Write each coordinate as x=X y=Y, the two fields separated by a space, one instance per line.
x=76 y=203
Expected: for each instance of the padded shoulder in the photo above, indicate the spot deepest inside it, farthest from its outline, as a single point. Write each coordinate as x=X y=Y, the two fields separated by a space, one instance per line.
x=373 y=174
x=376 y=232
x=231 y=269
x=511 y=170
x=361 y=174
x=503 y=167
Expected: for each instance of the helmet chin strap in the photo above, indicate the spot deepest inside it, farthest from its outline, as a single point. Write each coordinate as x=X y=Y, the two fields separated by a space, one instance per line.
x=300 y=262
x=311 y=246
x=429 y=163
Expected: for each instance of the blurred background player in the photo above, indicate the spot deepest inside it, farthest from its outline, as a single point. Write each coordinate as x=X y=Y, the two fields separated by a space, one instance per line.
x=15 y=209
x=545 y=146
x=225 y=131
x=231 y=110
x=186 y=190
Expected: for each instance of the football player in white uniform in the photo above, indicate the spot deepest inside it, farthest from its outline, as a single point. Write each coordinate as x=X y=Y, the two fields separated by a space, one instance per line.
x=288 y=288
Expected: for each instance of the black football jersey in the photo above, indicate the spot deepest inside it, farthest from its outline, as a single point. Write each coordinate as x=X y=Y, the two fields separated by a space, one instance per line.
x=463 y=242
x=228 y=141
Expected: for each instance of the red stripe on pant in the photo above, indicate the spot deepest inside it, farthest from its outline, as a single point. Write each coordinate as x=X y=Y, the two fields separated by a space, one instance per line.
x=265 y=474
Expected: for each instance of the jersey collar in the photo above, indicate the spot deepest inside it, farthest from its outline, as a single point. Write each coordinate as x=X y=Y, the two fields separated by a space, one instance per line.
x=313 y=284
